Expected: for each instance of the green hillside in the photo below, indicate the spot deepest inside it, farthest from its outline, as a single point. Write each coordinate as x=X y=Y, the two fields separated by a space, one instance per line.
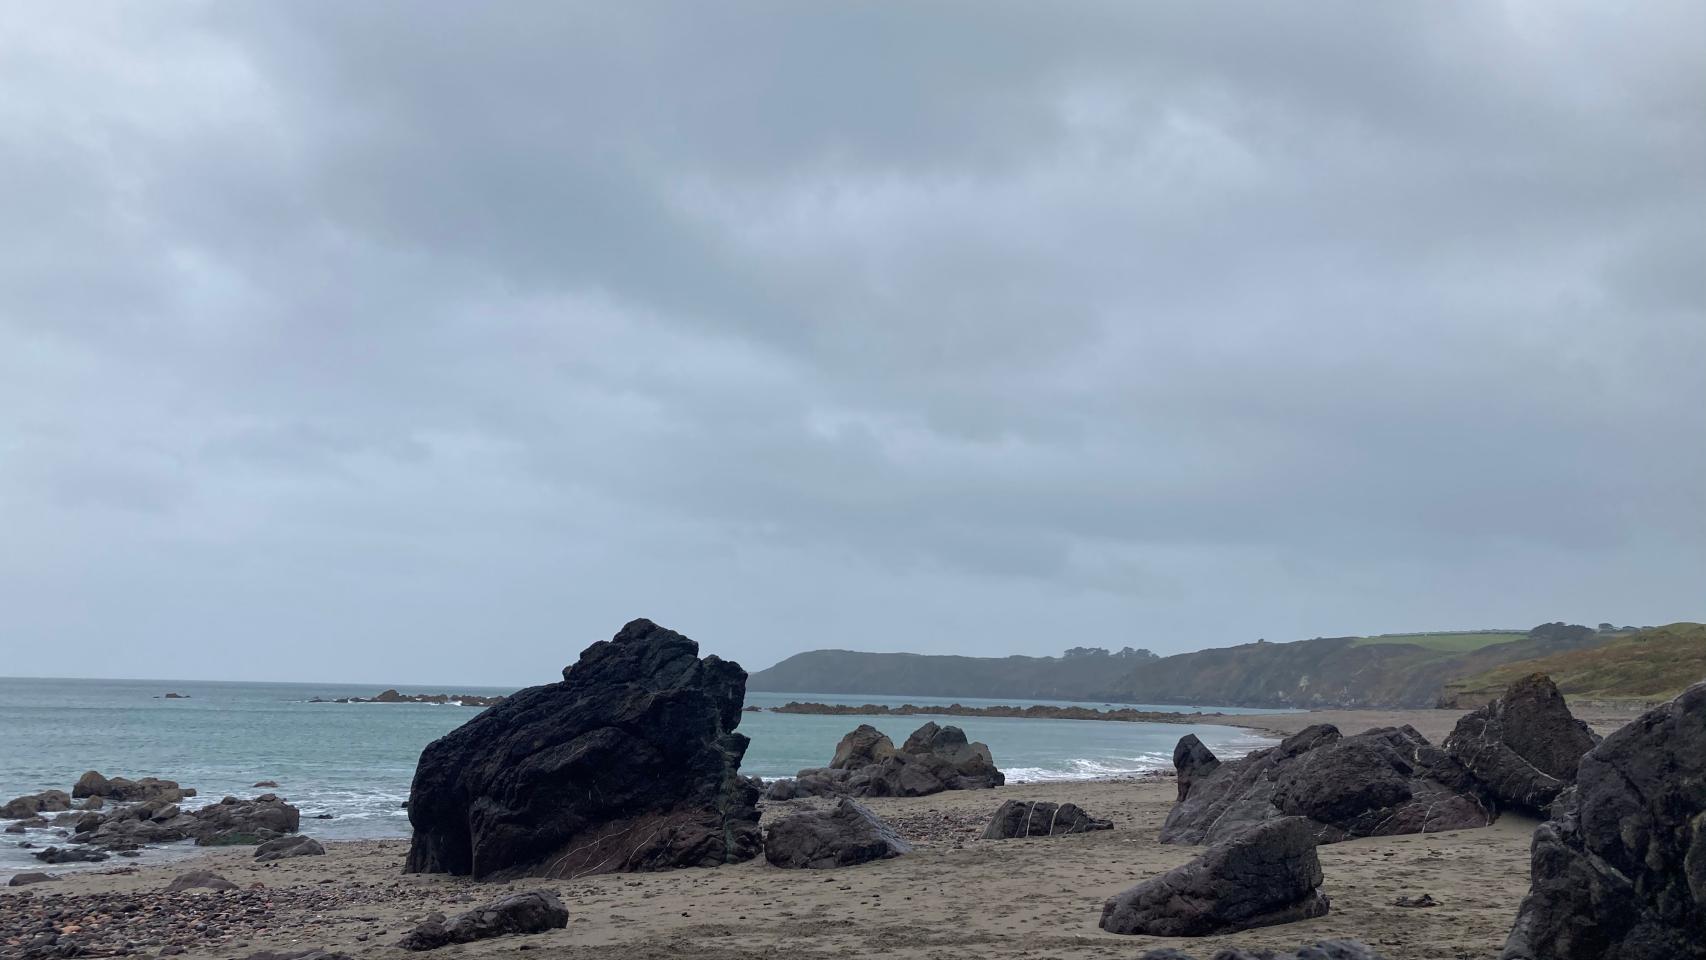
x=1652 y=664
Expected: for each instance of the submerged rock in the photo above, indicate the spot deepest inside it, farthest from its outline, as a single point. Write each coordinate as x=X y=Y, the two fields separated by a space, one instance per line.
x=531 y=911
x=1525 y=746
x=630 y=763
x=1039 y=818
x=1269 y=874
x=935 y=758
x=1379 y=783
x=841 y=836
x=1619 y=872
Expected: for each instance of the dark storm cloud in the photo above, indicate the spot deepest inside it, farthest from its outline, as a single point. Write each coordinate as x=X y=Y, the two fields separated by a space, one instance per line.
x=422 y=342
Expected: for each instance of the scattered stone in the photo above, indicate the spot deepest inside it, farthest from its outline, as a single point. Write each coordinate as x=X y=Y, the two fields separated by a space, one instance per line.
x=642 y=716
x=199 y=880
x=1619 y=871
x=25 y=879
x=1324 y=950
x=1525 y=746
x=1380 y=783
x=70 y=855
x=1269 y=874
x=933 y=759
x=1039 y=818
x=841 y=836
x=286 y=847
x=530 y=911
x=1425 y=900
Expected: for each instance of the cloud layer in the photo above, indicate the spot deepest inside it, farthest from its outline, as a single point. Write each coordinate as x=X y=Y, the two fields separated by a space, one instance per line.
x=415 y=342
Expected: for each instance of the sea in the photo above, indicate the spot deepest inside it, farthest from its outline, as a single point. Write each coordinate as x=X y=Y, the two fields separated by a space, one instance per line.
x=354 y=761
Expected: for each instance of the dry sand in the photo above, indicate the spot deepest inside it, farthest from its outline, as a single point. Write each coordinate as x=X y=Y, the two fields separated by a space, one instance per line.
x=1604 y=717
x=957 y=896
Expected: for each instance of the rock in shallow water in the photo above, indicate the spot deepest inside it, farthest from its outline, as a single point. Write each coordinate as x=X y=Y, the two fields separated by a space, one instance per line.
x=531 y=911
x=1269 y=874
x=841 y=836
x=1619 y=872
x=1039 y=818
x=630 y=763
x=1523 y=747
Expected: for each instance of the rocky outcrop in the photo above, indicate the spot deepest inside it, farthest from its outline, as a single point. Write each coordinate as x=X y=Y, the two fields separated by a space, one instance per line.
x=1193 y=761
x=841 y=836
x=286 y=847
x=392 y=696
x=630 y=763
x=1379 y=783
x=232 y=822
x=29 y=805
x=199 y=880
x=1039 y=818
x=1269 y=874
x=229 y=822
x=530 y=911
x=70 y=855
x=1325 y=950
x=122 y=790
x=935 y=758
x=1524 y=747
x=1619 y=872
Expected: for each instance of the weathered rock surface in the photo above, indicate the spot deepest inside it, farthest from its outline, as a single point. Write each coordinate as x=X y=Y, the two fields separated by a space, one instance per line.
x=1324 y=950
x=1524 y=747
x=70 y=855
x=933 y=759
x=29 y=805
x=531 y=911
x=232 y=821
x=286 y=847
x=26 y=879
x=1269 y=874
x=92 y=784
x=1619 y=872
x=841 y=836
x=1379 y=783
x=1193 y=760
x=1040 y=818
x=630 y=763
x=199 y=880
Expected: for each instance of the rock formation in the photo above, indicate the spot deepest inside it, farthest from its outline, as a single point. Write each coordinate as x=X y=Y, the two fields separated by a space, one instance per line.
x=24 y=807
x=286 y=847
x=92 y=784
x=1524 y=746
x=866 y=764
x=1193 y=760
x=841 y=836
x=1325 y=950
x=530 y=911
x=1266 y=875
x=1619 y=872
x=1039 y=818
x=630 y=763
x=1379 y=783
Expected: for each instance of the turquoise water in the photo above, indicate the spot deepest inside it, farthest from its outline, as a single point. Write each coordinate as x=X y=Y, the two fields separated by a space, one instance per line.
x=354 y=761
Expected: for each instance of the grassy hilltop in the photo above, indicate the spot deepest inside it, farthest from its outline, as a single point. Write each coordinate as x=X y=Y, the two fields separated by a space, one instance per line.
x=1652 y=664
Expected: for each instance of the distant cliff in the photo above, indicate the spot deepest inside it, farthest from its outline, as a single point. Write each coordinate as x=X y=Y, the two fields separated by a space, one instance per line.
x=1653 y=664
x=1324 y=672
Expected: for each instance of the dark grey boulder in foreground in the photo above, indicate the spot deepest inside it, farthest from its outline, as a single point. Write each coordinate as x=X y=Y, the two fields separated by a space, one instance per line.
x=286 y=847
x=1325 y=950
x=866 y=764
x=1523 y=747
x=1039 y=818
x=1379 y=783
x=199 y=880
x=1619 y=872
x=530 y=911
x=1269 y=874
x=841 y=836
x=630 y=763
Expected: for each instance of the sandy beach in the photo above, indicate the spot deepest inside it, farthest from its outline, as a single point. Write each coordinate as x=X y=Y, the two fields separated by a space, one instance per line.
x=956 y=896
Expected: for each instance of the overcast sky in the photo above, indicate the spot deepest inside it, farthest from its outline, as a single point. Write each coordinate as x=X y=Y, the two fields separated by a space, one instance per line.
x=431 y=342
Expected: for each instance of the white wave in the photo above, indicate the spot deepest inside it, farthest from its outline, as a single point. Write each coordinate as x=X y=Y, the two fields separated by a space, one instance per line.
x=1088 y=768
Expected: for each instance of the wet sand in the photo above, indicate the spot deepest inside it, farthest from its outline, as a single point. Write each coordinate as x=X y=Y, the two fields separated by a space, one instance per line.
x=956 y=896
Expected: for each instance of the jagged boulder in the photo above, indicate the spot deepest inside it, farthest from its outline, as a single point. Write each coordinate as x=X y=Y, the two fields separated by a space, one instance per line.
x=840 y=836
x=1379 y=783
x=1039 y=818
x=1619 y=872
x=630 y=763
x=233 y=822
x=122 y=790
x=530 y=911
x=70 y=855
x=1324 y=950
x=29 y=805
x=1524 y=747
x=1193 y=760
x=1266 y=875
x=935 y=758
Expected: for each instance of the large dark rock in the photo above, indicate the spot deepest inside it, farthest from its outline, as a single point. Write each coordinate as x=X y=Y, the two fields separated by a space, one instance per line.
x=1039 y=818
x=70 y=855
x=285 y=848
x=630 y=763
x=1619 y=872
x=92 y=784
x=530 y=911
x=841 y=836
x=1325 y=950
x=1269 y=874
x=233 y=822
x=1524 y=746
x=1379 y=783
x=935 y=758
x=47 y=801
x=1193 y=760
